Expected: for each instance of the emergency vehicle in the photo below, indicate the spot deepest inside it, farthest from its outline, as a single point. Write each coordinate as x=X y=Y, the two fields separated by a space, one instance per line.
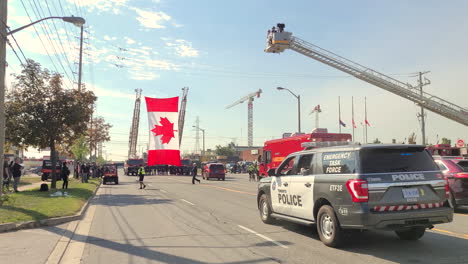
x=443 y=150
x=131 y=166
x=385 y=187
x=274 y=151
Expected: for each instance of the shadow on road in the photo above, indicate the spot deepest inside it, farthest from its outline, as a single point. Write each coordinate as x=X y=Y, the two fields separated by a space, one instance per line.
x=128 y=200
x=462 y=210
x=140 y=251
x=431 y=248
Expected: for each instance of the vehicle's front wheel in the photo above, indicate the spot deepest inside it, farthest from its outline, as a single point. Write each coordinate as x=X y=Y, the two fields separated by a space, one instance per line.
x=265 y=210
x=116 y=181
x=328 y=227
x=414 y=233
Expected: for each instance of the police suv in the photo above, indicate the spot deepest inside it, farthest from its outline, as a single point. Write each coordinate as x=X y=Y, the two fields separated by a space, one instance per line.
x=386 y=187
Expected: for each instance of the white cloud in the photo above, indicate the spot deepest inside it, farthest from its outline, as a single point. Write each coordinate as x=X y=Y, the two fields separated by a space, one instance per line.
x=113 y=6
x=130 y=41
x=101 y=92
x=183 y=48
x=150 y=19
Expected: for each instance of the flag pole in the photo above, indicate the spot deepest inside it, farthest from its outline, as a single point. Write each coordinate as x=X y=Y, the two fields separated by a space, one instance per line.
x=365 y=115
x=339 y=114
x=352 y=113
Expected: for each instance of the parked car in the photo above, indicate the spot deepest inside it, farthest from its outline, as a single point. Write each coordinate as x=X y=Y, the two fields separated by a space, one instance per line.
x=214 y=170
x=456 y=173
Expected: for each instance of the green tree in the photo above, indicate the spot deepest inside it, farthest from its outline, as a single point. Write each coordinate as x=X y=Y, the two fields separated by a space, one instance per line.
x=41 y=113
x=80 y=148
x=226 y=150
x=446 y=141
x=98 y=131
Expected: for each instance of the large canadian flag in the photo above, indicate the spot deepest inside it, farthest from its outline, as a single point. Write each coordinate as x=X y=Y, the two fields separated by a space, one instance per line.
x=163 y=121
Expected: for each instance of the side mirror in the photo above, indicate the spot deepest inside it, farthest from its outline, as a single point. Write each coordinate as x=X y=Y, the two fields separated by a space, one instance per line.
x=271 y=172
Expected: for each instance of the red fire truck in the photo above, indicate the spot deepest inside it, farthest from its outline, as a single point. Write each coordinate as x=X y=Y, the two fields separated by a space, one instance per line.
x=276 y=150
x=444 y=150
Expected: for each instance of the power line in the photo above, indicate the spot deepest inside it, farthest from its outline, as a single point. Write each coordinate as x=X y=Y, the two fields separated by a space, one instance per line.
x=48 y=34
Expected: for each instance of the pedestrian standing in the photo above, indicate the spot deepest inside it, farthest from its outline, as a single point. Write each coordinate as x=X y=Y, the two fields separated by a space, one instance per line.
x=141 y=174
x=64 y=174
x=194 y=173
x=6 y=174
x=16 y=174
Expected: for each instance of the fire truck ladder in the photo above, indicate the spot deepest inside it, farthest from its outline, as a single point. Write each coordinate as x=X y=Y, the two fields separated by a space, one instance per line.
x=278 y=42
x=132 y=142
x=183 y=104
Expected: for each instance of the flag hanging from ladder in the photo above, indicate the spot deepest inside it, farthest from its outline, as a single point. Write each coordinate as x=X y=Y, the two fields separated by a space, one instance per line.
x=163 y=121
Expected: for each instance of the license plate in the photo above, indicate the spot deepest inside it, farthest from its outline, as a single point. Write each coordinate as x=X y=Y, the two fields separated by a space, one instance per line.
x=410 y=193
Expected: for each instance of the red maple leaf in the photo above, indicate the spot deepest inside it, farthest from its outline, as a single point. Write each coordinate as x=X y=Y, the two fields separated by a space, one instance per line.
x=166 y=129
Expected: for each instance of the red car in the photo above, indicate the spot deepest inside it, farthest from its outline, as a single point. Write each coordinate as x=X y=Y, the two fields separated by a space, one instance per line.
x=456 y=173
x=214 y=170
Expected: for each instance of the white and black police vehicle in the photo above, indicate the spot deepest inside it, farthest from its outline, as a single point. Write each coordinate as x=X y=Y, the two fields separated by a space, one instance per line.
x=361 y=187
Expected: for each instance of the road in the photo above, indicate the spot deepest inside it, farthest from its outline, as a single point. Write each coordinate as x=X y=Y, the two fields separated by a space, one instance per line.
x=173 y=221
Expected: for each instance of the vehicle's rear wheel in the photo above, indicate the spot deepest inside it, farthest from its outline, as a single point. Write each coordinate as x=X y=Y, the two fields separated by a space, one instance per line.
x=223 y=178
x=328 y=227
x=453 y=201
x=414 y=233
x=116 y=181
x=265 y=210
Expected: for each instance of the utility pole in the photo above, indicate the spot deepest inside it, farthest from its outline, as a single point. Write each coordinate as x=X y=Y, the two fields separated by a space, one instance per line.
x=3 y=40
x=422 y=116
x=81 y=59
x=197 y=135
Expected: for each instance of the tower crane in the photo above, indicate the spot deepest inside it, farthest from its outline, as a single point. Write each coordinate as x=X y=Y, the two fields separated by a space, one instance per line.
x=249 y=98
x=279 y=41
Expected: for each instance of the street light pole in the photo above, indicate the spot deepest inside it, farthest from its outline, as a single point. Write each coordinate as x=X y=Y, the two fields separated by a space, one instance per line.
x=203 y=131
x=81 y=60
x=298 y=97
x=3 y=40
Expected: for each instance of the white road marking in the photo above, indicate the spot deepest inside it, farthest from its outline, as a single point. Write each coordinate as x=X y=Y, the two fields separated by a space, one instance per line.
x=163 y=191
x=262 y=236
x=187 y=202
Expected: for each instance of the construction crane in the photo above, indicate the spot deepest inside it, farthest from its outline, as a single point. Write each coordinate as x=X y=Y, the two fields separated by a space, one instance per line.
x=279 y=41
x=250 y=99
x=183 y=104
x=132 y=142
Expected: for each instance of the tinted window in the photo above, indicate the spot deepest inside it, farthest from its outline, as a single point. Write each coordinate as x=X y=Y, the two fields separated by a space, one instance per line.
x=396 y=160
x=135 y=162
x=268 y=157
x=216 y=167
x=304 y=165
x=441 y=166
x=287 y=167
x=338 y=162
x=464 y=165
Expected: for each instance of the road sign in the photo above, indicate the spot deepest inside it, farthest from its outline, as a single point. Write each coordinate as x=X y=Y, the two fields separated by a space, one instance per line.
x=460 y=143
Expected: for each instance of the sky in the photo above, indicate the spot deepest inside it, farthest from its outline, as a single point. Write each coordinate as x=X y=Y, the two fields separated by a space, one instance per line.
x=215 y=47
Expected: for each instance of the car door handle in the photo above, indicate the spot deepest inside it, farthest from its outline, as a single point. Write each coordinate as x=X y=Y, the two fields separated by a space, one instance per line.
x=285 y=184
x=307 y=185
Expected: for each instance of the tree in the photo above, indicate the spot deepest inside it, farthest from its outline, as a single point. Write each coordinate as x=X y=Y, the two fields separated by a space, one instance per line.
x=98 y=131
x=226 y=150
x=41 y=113
x=80 y=148
x=412 y=138
x=377 y=141
x=446 y=141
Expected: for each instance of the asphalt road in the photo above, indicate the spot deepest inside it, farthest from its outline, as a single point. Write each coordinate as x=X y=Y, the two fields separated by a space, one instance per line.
x=173 y=221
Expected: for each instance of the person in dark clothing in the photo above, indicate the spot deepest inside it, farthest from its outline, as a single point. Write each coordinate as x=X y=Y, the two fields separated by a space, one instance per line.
x=194 y=173
x=64 y=174
x=6 y=174
x=16 y=174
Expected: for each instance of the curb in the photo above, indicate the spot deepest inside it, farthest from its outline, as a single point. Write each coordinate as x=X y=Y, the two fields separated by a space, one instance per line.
x=49 y=221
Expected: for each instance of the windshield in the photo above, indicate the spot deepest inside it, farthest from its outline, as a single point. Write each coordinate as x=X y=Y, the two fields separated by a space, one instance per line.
x=216 y=167
x=463 y=164
x=134 y=162
x=396 y=160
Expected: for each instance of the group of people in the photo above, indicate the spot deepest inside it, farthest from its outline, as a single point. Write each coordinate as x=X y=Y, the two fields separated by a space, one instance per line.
x=11 y=170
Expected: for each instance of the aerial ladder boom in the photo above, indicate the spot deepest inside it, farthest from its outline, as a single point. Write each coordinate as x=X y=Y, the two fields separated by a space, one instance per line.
x=281 y=40
x=133 y=138
x=183 y=105
x=250 y=98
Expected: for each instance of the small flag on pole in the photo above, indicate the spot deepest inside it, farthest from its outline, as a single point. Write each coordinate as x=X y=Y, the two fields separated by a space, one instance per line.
x=342 y=123
x=367 y=122
x=354 y=124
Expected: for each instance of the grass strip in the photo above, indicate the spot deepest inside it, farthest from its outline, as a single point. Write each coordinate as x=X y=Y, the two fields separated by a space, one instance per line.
x=34 y=205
